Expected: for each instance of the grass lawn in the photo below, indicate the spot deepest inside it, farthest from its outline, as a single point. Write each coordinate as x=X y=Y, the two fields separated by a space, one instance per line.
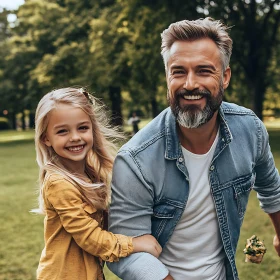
x=21 y=235
x=10 y=135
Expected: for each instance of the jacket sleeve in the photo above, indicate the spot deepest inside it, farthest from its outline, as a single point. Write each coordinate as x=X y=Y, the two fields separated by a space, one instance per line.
x=69 y=205
x=267 y=184
x=130 y=213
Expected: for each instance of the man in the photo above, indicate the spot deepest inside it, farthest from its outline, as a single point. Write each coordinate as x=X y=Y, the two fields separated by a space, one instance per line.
x=186 y=176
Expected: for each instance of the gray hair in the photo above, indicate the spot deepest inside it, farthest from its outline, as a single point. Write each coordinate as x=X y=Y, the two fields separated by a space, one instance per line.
x=190 y=30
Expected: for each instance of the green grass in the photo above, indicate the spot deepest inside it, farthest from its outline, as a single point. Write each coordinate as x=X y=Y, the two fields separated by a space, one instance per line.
x=21 y=234
x=10 y=135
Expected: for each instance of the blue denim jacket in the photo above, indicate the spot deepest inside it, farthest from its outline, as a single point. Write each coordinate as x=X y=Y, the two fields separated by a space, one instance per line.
x=150 y=185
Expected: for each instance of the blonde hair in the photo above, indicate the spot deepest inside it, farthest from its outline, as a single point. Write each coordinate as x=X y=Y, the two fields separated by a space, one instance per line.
x=99 y=161
x=190 y=30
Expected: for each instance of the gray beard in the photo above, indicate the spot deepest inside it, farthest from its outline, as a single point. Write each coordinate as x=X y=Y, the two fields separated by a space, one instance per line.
x=191 y=116
x=190 y=119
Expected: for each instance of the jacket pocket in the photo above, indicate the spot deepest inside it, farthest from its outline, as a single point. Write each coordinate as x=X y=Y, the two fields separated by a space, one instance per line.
x=93 y=213
x=89 y=209
x=162 y=214
x=242 y=188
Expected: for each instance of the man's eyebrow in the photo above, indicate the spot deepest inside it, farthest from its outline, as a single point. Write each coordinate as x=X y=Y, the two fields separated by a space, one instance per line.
x=176 y=67
x=207 y=66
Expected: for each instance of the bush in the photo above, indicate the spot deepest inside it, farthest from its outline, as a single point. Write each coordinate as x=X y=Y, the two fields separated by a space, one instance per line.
x=4 y=124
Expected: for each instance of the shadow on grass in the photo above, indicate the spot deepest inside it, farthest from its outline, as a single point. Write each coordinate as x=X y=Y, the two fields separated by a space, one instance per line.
x=16 y=142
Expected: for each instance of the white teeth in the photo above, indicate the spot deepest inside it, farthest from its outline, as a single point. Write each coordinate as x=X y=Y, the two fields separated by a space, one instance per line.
x=192 y=97
x=75 y=149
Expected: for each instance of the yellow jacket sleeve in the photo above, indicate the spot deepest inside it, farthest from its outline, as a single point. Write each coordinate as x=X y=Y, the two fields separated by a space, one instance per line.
x=68 y=203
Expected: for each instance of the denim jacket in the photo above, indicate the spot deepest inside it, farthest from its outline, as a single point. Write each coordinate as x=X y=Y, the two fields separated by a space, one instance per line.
x=150 y=185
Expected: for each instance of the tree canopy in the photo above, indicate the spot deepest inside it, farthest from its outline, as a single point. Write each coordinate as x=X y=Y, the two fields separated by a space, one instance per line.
x=113 y=48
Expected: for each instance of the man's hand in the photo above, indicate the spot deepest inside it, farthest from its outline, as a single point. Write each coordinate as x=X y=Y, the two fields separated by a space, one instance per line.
x=146 y=243
x=276 y=244
x=275 y=218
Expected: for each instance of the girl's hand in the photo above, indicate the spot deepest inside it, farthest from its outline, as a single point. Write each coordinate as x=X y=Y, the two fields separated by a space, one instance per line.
x=146 y=243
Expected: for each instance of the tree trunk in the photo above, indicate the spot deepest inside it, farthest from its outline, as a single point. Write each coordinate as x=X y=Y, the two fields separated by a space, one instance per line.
x=154 y=107
x=258 y=95
x=14 y=120
x=31 y=120
x=23 y=126
x=116 y=100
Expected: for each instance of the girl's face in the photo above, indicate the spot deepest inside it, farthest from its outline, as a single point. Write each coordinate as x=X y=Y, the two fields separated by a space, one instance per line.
x=69 y=133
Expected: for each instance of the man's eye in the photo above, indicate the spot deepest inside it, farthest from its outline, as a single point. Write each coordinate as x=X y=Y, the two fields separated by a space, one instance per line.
x=206 y=71
x=177 y=72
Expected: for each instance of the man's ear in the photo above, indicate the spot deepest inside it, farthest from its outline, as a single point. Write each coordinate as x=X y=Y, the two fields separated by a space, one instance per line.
x=46 y=141
x=226 y=76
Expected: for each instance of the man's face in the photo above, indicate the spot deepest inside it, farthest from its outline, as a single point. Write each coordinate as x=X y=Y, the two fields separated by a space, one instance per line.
x=195 y=81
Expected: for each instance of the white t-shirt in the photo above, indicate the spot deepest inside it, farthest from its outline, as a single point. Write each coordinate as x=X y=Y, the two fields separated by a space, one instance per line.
x=195 y=249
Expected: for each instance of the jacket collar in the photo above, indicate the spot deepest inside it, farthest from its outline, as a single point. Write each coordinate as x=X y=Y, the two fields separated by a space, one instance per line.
x=173 y=147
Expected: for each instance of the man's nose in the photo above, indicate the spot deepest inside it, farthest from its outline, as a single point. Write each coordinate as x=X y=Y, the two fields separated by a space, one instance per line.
x=191 y=82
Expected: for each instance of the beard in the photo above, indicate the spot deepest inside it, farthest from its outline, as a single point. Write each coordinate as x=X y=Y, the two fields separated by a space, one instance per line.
x=192 y=116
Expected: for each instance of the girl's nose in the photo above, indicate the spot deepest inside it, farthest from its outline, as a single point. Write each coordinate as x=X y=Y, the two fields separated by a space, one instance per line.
x=75 y=137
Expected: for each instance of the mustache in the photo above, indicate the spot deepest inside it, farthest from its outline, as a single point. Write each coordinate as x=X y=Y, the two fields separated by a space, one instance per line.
x=182 y=92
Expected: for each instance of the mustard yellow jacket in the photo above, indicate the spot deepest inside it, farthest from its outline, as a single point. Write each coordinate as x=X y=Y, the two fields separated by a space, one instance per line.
x=74 y=239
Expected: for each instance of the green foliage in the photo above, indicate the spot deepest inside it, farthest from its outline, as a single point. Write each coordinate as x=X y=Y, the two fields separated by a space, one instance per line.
x=113 y=48
x=254 y=29
x=4 y=27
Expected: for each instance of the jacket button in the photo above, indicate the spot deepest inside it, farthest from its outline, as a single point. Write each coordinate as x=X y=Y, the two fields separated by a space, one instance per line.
x=212 y=167
x=181 y=159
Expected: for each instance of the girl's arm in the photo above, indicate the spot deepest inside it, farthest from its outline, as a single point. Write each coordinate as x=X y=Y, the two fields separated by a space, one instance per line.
x=75 y=218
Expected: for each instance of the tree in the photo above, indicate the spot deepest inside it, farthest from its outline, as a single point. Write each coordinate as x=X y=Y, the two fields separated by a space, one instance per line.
x=113 y=48
x=255 y=25
x=133 y=28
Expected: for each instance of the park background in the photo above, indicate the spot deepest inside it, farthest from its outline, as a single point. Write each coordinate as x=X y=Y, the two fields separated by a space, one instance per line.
x=112 y=47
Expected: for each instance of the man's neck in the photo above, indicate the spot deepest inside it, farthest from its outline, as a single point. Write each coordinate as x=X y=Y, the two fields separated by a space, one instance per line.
x=199 y=140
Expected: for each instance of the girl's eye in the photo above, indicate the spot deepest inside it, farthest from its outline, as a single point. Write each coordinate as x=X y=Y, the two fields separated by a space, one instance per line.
x=84 y=127
x=61 y=131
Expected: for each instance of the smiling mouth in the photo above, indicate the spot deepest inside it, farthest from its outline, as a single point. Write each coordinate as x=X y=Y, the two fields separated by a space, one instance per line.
x=75 y=148
x=192 y=97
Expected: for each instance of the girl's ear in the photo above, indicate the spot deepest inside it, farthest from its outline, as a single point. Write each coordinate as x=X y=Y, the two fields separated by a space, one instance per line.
x=46 y=141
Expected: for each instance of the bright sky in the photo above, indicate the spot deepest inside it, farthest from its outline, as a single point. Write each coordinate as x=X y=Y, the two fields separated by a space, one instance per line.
x=11 y=4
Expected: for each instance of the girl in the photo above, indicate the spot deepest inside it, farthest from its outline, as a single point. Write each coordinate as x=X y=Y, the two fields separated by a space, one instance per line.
x=75 y=157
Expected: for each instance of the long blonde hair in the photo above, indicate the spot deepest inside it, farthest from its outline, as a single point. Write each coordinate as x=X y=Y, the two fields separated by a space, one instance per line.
x=99 y=161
